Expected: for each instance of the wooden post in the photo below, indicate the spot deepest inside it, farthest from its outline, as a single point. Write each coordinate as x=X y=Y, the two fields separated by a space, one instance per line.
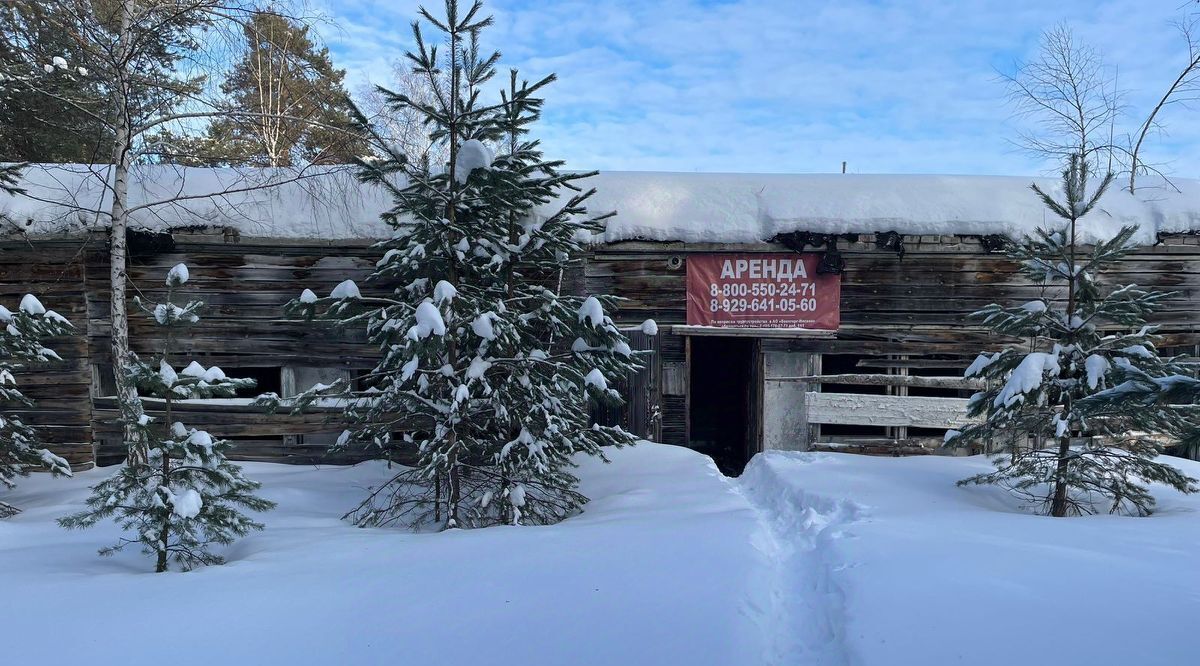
x=755 y=400
x=899 y=432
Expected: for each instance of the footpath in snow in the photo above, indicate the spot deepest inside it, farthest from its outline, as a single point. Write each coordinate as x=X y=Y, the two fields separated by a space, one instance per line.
x=905 y=568
x=806 y=616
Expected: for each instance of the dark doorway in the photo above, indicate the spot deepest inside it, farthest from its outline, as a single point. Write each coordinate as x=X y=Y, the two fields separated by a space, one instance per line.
x=720 y=398
x=266 y=380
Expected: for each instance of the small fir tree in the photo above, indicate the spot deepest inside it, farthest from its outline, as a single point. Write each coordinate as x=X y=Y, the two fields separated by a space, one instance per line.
x=10 y=179
x=188 y=496
x=1149 y=394
x=1087 y=453
x=487 y=369
x=20 y=347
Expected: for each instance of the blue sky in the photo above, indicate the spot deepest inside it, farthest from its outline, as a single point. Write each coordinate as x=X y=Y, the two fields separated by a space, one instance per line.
x=902 y=86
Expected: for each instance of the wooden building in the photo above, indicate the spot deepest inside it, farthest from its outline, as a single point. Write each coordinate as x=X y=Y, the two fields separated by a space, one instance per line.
x=916 y=255
x=244 y=281
x=889 y=377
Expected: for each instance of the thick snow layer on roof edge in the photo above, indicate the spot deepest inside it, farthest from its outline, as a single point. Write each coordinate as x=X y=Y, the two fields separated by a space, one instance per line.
x=329 y=203
x=745 y=208
x=324 y=202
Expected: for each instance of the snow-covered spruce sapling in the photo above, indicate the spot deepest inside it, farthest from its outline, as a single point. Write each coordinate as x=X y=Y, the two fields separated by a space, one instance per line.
x=487 y=369
x=21 y=347
x=1150 y=394
x=1072 y=452
x=10 y=179
x=189 y=496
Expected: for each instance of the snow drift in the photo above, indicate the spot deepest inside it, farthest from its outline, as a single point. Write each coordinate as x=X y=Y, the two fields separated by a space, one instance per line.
x=824 y=559
x=654 y=571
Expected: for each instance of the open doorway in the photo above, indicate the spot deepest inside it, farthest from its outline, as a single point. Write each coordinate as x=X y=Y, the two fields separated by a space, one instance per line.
x=720 y=396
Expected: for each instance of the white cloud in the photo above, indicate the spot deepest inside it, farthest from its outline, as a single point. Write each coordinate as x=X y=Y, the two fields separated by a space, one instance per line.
x=789 y=85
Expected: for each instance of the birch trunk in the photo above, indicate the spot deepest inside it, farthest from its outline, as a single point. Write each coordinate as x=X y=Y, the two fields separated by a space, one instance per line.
x=127 y=395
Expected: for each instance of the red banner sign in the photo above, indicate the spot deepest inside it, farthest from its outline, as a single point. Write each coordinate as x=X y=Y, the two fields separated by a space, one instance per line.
x=761 y=291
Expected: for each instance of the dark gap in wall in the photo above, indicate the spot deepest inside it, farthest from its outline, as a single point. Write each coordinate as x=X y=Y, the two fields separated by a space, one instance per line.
x=268 y=380
x=720 y=400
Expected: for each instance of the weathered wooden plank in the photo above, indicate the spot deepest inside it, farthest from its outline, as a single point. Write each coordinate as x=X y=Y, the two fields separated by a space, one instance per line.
x=884 y=319
x=959 y=362
x=886 y=410
x=887 y=380
x=910 y=446
x=987 y=287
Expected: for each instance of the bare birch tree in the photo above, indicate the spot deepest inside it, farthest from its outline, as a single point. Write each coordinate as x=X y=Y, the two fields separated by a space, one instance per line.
x=402 y=126
x=1071 y=98
x=1184 y=90
x=1075 y=108
x=267 y=64
x=155 y=61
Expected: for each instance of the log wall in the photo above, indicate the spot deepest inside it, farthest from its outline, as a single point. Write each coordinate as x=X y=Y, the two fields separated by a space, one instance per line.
x=913 y=307
x=244 y=282
x=54 y=271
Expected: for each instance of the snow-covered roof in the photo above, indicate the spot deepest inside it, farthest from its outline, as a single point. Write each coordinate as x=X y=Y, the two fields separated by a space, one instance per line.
x=314 y=203
x=693 y=207
x=744 y=208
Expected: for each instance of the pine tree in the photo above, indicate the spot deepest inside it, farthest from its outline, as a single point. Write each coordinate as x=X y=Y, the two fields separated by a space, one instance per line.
x=300 y=109
x=35 y=125
x=487 y=369
x=187 y=497
x=1088 y=454
x=21 y=346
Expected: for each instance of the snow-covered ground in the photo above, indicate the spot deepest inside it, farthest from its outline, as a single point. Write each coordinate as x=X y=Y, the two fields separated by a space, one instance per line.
x=655 y=571
x=807 y=559
x=914 y=570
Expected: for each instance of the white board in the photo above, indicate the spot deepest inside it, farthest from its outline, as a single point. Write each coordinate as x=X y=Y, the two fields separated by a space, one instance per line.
x=886 y=410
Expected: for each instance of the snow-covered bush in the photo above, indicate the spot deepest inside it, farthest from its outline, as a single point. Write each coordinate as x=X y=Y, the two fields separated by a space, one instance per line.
x=1071 y=451
x=20 y=347
x=188 y=496
x=488 y=370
